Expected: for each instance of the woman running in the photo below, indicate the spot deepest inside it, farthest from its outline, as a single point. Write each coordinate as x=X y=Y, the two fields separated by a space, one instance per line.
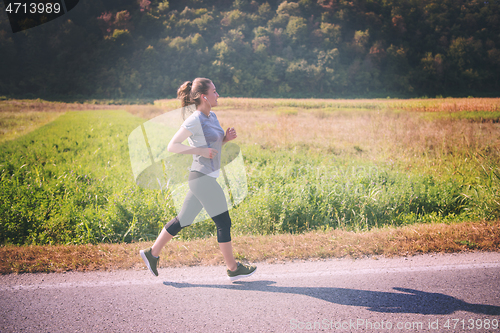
x=205 y=137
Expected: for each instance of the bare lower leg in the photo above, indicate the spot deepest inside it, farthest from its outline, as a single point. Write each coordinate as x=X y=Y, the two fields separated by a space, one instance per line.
x=160 y=242
x=227 y=252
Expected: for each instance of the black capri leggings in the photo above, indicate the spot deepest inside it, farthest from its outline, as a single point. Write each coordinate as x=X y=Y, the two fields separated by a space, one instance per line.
x=204 y=192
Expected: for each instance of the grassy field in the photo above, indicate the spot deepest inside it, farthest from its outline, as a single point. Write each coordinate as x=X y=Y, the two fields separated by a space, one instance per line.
x=19 y=117
x=312 y=166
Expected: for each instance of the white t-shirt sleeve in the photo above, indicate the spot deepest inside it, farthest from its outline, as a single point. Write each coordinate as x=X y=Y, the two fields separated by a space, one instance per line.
x=193 y=125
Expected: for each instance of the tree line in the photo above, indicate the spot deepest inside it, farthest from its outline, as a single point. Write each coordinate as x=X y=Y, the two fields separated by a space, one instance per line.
x=259 y=48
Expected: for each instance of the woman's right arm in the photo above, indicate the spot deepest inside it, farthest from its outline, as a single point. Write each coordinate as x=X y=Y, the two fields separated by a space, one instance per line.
x=175 y=145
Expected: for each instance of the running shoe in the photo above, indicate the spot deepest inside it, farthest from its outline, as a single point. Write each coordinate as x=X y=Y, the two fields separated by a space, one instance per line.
x=242 y=271
x=150 y=261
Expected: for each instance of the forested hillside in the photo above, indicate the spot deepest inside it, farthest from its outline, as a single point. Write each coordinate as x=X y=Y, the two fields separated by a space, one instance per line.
x=259 y=48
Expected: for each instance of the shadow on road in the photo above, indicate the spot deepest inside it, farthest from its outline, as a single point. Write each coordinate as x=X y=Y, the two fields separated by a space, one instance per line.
x=403 y=301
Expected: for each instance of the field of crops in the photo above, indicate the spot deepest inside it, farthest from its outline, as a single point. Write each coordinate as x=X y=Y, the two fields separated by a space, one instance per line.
x=311 y=164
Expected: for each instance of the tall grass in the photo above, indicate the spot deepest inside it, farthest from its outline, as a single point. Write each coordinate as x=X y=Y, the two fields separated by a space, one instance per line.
x=310 y=165
x=299 y=192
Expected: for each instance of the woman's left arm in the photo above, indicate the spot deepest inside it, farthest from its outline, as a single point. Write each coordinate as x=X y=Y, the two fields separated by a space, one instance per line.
x=230 y=135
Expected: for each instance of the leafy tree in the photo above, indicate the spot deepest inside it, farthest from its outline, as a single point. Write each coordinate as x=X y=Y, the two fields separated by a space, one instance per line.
x=335 y=48
x=296 y=29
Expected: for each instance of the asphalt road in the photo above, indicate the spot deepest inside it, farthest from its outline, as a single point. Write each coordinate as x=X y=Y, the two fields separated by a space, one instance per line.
x=427 y=293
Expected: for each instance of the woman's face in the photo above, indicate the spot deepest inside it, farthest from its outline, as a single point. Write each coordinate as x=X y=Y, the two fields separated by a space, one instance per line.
x=212 y=95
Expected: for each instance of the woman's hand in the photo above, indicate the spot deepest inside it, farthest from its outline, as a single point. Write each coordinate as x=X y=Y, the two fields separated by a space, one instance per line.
x=230 y=134
x=208 y=153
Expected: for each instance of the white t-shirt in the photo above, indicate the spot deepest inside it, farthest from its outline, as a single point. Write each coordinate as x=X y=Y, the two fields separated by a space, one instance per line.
x=206 y=133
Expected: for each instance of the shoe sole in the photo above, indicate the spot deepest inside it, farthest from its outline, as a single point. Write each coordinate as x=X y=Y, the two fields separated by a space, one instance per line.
x=146 y=261
x=237 y=277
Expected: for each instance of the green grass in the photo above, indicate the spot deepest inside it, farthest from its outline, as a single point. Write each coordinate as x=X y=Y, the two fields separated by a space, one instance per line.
x=16 y=124
x=295 y=193
x=70 y=182
x=476 y=116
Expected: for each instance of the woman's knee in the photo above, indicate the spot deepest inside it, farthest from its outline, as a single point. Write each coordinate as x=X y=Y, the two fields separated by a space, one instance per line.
x=223 y=223
x=173 y=227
